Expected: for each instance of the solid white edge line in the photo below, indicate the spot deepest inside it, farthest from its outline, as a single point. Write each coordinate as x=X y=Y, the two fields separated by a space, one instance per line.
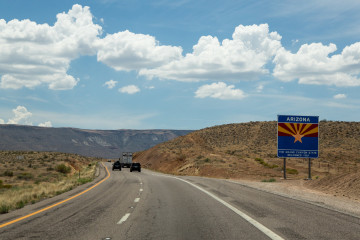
x=124 y=218
x=255 y=223
x=137 y=200
x=252 y=221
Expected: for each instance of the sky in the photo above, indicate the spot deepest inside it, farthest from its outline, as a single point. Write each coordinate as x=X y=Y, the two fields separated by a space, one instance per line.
x=168 y=64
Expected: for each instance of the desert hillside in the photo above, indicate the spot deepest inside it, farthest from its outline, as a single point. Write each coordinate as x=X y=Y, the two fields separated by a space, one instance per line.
x=249 y=151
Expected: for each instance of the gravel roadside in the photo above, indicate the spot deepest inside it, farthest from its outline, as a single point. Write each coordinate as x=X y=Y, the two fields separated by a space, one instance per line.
x=296 y=189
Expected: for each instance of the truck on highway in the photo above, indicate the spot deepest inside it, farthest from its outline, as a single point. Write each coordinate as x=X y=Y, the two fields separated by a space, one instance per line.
x=126 y=159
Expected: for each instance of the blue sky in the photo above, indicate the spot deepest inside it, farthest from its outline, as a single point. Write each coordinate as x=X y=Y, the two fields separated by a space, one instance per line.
x=107 y=64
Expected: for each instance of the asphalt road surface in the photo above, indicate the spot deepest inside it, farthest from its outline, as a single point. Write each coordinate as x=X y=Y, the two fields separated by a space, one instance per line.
x=149 y=205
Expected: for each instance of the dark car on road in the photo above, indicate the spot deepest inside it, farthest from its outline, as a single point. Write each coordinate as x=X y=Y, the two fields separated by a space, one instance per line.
x=116 y=165
x=135 y=167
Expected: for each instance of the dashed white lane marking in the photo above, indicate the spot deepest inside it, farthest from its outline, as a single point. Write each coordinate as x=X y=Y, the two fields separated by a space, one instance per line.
x=124 y=218
x=141 y=190
x=252 y=221
x=137 y=200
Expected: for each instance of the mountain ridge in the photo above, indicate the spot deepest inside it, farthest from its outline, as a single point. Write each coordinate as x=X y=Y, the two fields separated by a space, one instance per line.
x=86 y=142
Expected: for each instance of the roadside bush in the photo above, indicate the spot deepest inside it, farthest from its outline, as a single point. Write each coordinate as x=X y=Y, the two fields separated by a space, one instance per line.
x=292 y=171
x=62 y=168
x=4 y=185
x=49 y=169
x=181 y=157
x=25 y=176
x=269 y=180
x=230 y=152
x=84 y=180
x=20 y=204
x=265 y=164
x=8 y=173
x=4 y=208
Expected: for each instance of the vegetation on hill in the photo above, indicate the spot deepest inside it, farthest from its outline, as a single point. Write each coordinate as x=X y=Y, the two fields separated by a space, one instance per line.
x=28 y=177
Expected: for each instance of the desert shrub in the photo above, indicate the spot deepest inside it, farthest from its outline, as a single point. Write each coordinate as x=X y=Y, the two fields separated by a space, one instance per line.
x=4 y=208
x=207 y=160
x=230 y=152
x=269 y=180
x=274 y=166
x=59 y=192
x=181 y=157
x=265 y=164
x=292 y=171
x=8 y=173
x=19 y=204
x=5 y=186
x=84 y=180
x=49 y=169
x=25 y=176
x=62 y=168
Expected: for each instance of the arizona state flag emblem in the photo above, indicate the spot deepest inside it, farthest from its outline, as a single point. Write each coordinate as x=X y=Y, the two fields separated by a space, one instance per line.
x=298 y=136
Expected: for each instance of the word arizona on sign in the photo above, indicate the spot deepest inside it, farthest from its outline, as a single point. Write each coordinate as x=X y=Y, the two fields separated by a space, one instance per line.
x=298 y=136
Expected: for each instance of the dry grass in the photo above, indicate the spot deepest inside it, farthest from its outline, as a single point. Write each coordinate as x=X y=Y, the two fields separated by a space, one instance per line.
x=28 y=177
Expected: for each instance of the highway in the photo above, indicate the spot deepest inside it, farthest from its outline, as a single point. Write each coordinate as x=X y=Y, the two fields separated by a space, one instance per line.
x=150 y=205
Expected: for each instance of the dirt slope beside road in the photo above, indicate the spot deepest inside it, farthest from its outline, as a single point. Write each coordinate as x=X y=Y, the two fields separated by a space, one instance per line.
x=249 y=151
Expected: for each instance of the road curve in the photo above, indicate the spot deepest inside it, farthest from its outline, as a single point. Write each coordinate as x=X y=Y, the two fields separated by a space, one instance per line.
x=148 y=205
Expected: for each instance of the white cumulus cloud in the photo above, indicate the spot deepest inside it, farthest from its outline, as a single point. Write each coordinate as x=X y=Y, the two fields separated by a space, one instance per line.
x=340 y=96
x=21 y=116
x=110 y=84
x=35 y=54
x=131 y=89
x=313 y=65
x=125 y=51
x=221 y=91
x=241 y=58
x=45 y=124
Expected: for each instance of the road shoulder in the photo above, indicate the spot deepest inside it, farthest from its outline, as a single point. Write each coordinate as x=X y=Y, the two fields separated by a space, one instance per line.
x=296 y=189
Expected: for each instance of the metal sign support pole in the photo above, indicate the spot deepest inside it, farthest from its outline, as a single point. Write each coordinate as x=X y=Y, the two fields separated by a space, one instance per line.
x=309 y=169
x=284 y=168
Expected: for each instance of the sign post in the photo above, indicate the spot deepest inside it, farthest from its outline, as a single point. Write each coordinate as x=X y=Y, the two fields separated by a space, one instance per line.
x=298 y=137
